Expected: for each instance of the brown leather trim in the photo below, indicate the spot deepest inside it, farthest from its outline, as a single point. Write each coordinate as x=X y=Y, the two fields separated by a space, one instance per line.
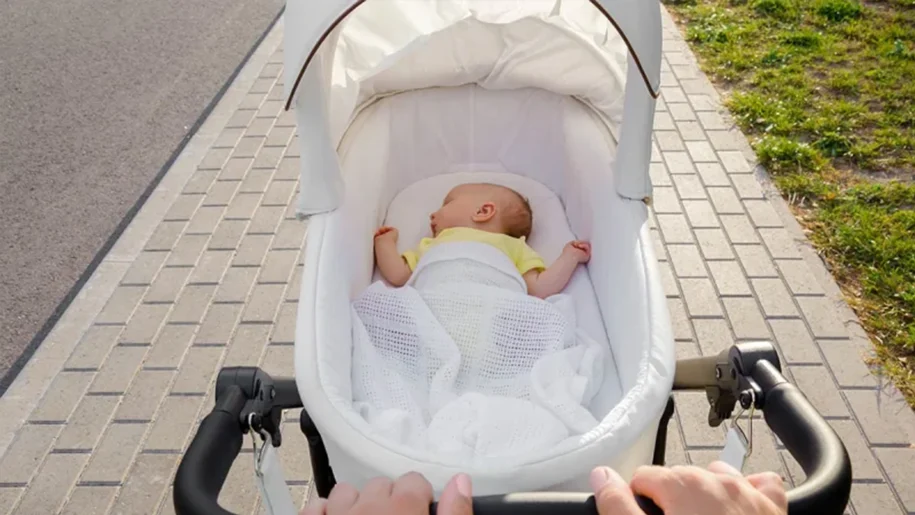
x=344 y=14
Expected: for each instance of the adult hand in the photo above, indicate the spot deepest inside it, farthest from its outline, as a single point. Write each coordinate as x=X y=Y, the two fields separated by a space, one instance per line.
x=718 y=490
x=410 y=494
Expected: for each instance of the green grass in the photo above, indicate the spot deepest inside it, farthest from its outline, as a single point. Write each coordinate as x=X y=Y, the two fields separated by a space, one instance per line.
x=825 y=89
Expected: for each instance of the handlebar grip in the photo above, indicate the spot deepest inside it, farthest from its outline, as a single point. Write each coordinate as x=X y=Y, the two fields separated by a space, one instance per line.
x=208 y=459
x=545 y=503
x=811 y=441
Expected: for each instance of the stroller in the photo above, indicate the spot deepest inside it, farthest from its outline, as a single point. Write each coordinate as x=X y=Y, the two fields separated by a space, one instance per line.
x=396 y=102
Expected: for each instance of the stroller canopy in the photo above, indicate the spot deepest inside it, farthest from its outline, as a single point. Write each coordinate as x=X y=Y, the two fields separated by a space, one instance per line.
x=342 y=54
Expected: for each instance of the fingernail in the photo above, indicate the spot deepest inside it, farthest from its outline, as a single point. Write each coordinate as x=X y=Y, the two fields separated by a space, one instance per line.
x=603 y=476
x=462 y=481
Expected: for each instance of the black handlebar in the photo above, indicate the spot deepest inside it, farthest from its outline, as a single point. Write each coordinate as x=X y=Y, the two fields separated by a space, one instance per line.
x=809 y=439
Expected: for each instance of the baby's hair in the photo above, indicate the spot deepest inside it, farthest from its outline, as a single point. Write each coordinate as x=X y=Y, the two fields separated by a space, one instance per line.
x=517 y=217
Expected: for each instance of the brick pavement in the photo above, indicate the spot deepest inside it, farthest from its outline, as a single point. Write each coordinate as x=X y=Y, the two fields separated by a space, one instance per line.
x=208 y=274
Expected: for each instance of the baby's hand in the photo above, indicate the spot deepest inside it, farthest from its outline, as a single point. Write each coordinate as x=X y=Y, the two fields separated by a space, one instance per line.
x=580 y=250
x=386 y=234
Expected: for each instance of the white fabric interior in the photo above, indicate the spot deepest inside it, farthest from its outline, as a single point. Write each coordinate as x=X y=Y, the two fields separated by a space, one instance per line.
x=398 y=158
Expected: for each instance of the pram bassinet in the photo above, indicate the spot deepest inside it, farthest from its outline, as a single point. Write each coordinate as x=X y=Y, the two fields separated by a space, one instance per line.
x=396 y=101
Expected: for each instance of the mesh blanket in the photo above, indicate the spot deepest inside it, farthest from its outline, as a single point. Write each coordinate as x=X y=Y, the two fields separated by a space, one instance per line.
x=465 y=368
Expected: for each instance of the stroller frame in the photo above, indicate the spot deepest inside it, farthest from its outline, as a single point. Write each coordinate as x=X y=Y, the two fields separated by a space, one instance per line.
x=249 y=399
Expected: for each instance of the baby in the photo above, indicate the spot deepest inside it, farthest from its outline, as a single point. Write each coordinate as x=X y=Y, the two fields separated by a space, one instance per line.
x=485 y=213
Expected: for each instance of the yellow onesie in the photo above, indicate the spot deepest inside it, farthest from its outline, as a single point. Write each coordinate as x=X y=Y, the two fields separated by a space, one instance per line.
x=521 y=254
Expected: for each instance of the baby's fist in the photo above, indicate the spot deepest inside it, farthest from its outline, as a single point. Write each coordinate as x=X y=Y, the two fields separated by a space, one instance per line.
x=580 y=250
x=385 y=233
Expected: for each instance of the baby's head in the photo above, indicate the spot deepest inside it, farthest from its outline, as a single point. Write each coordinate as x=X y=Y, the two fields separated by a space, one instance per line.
x=488 y=207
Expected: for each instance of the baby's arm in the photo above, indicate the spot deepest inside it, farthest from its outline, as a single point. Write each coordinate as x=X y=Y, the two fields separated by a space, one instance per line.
x=393 y=266
x=552 y=280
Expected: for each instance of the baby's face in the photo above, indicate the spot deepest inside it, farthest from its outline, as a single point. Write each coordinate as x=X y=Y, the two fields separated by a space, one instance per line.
x=458 y=208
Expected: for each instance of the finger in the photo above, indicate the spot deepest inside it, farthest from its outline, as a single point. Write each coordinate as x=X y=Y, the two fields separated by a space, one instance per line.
x=341 y=499
x=720 y=467
x=611 y=493
x=660 y=484
x=770 y=485
x=376 y=488
x=315 y=507
x=412 y=493
x=457 y=498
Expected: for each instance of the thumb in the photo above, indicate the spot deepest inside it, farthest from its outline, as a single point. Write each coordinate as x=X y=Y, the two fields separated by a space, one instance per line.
x=457 y=497
x=612 y=493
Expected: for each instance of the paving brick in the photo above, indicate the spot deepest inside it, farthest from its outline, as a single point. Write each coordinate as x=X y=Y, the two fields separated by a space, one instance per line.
x=874 y=498
x=144 y=268
x=291 y=211
x=799 y=278
x=695 y=86
x=268 y=157
x=142 y=398
x=264 y=302
x=779 y=243
x=252 y=250
x=259 y=127
x=197 y=370
x=278 y=266
x=739 y=229
x=249 y=146
x=200 y=181
x=214 y=159
x=774 y=297
x=26 y=453
x=700 y=297
x=61 y=397
x=748 y=187
x=691 y=131
x=678 y=319
x=279 y=361
x=119 y=369
x=228 y=234
x=673 y=95
x=701 y=151
x=755 y=261
x=94 y=346
x=681 y=112
x=820 y=314
x=714 y=244
x=288 y=168
x=658 y=245
x=240 y=119
x=256 y=180
x=794 y=341
x=89 y=499
x=188 y=250
x=712 y=121
x=184 y=207
x=174 y=423
x=279 y=136
x=228 y=138
x=663 y=122
x=692 y=411
x=147 y=483
x=745 y=317
x=240 y=493
x=818 y=386
x=266 y=219
x=211 y=268
x=664 y=200
x=725 y=139
x=689 y=187
x=658 y=174
x=219 y=323
x=762 y=213
x=192 y=304
x=712 y=174
x=145 y=323
x=279 y=193
x=877 y=417
x=678 y=163
x=87 y=423
x=247 y=345
x=220 y=195
x=864 y=466
x=668 y=282
x=242 y=206
x=49 y=488
x=205 y=220
x=236 y=284
x=898 y=465
x=9 y=496
x=734 y=161
x=675 y=229
x=700 y=214
x=725 y=201
x=729 y=278
x=169 y=347
x=686 y=349
x=252 y=101
x=686 y=261
x=121 y=305
x=713 y=335
x=235 y=170
x=683 y=71
x=295 y=286
x=167 y=285
x=846 y=360
x=668 y=140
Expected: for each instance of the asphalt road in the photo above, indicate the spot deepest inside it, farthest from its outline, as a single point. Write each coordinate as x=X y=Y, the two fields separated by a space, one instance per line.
x=95 y=96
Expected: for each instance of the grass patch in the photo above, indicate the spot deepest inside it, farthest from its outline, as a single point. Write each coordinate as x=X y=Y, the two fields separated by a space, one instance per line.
x=826 y=91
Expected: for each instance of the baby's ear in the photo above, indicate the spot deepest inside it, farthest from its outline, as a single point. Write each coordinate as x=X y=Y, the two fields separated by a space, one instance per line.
x=485 y=212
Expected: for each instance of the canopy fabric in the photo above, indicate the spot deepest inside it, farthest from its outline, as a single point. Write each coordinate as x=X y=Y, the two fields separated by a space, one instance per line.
x=341 y=54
